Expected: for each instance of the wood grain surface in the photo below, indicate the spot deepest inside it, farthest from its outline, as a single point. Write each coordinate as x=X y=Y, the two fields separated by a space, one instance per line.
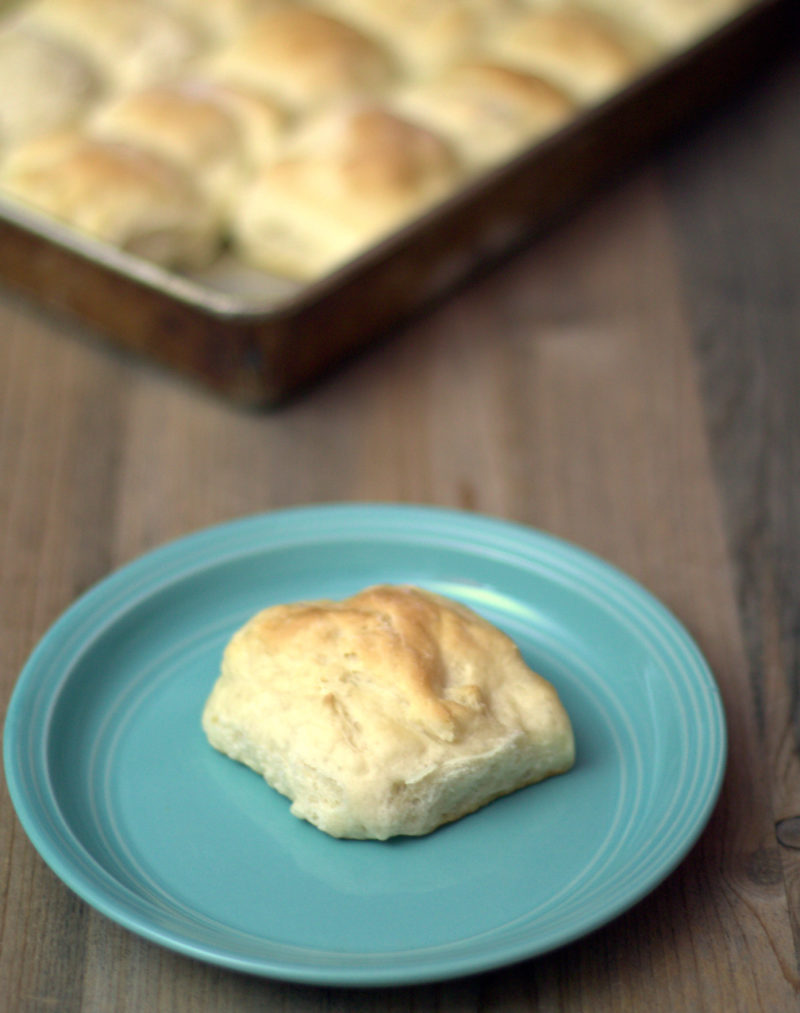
x=629 y=383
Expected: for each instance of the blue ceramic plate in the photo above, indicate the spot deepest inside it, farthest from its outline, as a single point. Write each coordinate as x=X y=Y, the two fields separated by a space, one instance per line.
x=117 y=788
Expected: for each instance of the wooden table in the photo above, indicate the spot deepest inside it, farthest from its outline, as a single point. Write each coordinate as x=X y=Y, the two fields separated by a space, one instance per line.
x=629 y=383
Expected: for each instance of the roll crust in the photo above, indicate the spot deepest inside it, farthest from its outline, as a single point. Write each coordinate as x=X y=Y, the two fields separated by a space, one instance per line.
x=389 y=713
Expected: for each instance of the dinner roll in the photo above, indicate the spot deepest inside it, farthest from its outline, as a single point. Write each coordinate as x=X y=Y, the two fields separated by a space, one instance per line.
x=132 y=42
x=211 y=132
x=45 y=84
x=673 y=23
x=583 y=53
x=303 y=58
x=349 y=177
x=220 y=20
x=426 y=34
x=389 y=713
x=488 y=111
x=117 y=193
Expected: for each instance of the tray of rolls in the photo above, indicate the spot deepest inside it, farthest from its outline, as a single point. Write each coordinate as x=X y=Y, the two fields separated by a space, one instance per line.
x=249 y=190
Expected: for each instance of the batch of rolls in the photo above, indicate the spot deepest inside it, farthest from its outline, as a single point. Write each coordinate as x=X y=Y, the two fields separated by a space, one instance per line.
x=296 y=134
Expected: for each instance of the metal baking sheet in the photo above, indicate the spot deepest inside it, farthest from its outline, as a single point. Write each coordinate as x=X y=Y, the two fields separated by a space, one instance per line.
x=257 y=340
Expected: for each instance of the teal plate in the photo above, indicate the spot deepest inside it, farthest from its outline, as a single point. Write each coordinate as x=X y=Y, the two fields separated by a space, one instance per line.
x=119 y=791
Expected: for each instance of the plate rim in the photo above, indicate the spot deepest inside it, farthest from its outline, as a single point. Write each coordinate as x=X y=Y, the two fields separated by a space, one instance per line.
x=386 y=519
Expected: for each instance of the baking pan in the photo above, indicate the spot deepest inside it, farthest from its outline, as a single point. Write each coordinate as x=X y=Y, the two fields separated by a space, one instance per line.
x=257 y=340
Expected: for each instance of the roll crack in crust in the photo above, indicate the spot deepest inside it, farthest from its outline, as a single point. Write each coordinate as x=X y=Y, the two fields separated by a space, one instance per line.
x=389 y=713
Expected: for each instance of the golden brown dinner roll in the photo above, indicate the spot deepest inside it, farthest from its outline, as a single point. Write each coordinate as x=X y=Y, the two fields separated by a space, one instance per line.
x=672 y=23
x=304 y=131
x=488 y=111
x=132 y=42
x=426 y=34
x=349 y=177
x=116 y=193
x=302 y=58
x=391 y=712
x=580 y=52
x=45 y=84
x=220 y=20
x=211 y=132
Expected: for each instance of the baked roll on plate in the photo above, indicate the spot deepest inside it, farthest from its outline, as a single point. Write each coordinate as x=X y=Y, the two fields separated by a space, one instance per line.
x=389 y=713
